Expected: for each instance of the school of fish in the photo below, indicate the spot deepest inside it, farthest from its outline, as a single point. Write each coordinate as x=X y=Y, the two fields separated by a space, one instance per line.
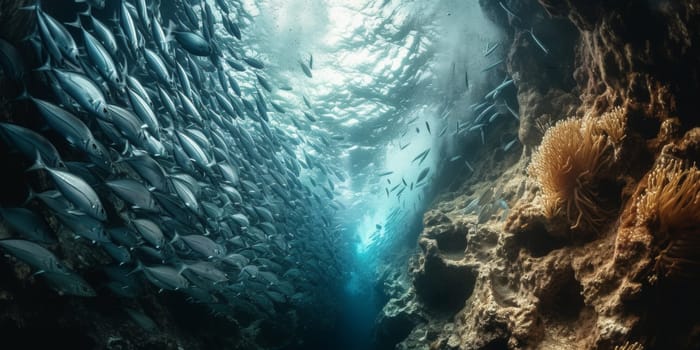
x=178 y=173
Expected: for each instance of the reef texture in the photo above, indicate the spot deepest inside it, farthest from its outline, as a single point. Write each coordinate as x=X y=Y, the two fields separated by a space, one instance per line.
x=592 y=244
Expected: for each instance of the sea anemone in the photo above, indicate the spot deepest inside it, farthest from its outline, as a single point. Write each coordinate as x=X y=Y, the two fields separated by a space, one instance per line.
x=569 y=162
x=671 y=204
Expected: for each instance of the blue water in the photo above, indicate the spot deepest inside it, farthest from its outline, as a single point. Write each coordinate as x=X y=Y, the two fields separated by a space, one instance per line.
x=381 y=70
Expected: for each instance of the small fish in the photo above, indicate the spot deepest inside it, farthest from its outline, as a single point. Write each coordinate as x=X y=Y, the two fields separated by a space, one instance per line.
x=33 y=255
x=69 y=283
x=512 y=112
x=385 y=173
x=508 y=11
x=427 y=126
x=29 y=143
x=83 y=90
x=142 y=320
x=202 y=245
x=491 y=48
x=421 y=155
x=468 y=165
x=538 y=42
x=510 y=144
x=492 y=66
x=305 y=69
x=133 y=192
x=163 y=276
x=28 y=224
x=422 y=174
x=149 y=230
x=75 y=189
x=254 y=62
x=11 y=61
x=193 y=43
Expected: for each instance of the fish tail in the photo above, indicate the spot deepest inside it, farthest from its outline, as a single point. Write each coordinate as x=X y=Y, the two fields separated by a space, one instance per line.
x=46 y=66
x=175 y=238
x=139 y=267
x=38 y=163
x=77 y=23
x=30 y=195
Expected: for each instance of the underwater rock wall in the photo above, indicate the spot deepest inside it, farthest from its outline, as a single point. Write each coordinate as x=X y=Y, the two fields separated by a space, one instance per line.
x=597 y=249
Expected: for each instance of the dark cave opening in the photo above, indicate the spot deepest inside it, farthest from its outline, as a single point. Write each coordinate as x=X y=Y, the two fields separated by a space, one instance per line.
x=444 y=286
x=564 y=301
x=538 y=242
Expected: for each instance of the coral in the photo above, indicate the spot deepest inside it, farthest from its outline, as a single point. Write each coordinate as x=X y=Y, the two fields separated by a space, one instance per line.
x=570 y=161
x=671 y=202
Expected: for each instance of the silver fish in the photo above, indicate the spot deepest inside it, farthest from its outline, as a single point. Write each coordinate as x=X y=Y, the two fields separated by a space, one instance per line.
x=149 y=231
x=202 y=245
x=29 y=143
x=28 y=224
x=165 y=277
x=33 y=255
x=84 y=91
x=75 y=189
x=133 y=192
x=69 y=284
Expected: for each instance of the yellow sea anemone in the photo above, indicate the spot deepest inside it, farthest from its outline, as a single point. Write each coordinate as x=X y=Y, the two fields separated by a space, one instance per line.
x=568 y=164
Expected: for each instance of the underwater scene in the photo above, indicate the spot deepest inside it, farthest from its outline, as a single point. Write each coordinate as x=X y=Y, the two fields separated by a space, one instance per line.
x=350 y=174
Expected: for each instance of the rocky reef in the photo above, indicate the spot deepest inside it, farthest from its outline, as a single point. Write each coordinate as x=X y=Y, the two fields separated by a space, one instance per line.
x=587 y=238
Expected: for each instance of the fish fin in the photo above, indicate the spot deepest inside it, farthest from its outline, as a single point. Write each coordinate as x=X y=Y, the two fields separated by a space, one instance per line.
x=139 y=267
x=38 y=273
x=24 y=95
x=169 y=31
x=30 y=195
x=76 y=24
x=46 y=66
x=127 y=146
x=38 y=163
x=175 y=238
x=30 y=36
x=88 y=10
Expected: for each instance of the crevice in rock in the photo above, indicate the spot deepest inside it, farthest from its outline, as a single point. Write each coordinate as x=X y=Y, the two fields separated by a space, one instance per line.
x=564 y=301
x=443 y=285
x=393 y=330
x=497 y=344
x=452 y=241
x=537 y=242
